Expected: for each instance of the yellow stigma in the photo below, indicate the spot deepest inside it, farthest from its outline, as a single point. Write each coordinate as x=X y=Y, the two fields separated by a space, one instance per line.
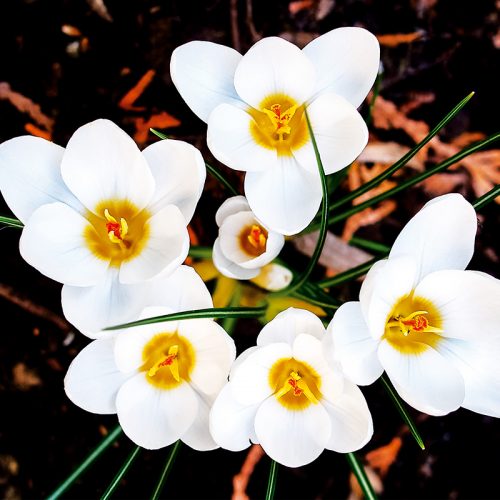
x=413 y=325
x=279 y=123
x=296 y=385
x=170 y=361
x=253 y=240
x=116 y=230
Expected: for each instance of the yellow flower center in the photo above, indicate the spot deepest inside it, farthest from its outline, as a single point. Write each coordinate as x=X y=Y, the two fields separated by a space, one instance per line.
x=119 y=234
x=413 y=325
x=253 y=240
x=279 y=124
x=295 y=384
x=168 y=359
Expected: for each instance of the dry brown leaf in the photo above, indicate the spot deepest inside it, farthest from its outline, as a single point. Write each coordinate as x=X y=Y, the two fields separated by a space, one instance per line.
x=100 y=9
x=128 y=100
x=484 y=168
x=463 y=140
x=37 y=131
x=373 y=477
x=439 y=184
x=241 y=480
x=416 y=100
x=158 y=120
x=69 y=30
x=393 y=40
x=388 y=153
x=295 y=7
x=24 y=378
x=382 y=458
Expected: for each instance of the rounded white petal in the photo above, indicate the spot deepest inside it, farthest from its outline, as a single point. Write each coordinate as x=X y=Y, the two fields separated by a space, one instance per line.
x=31 y=176
x=53 y=242
x=427 y=381
x=346 y=62
x=274 y=66
x=292 y=438
x=440 y=236
x=179 y=172
x=288 y=325
x=228 y=267
x=214 y=353
x=351 y=420
x=108 y=303
x=93 y=379
x=390 y=285
x=241 y=358
x=230 y=140
x=198 y=435
x=468 y=303
x=349 y=341
x=231 y=206
x=232 y=423
x=102 y=162
x=340 y=132
x=203 y=73
x=250 y=382
x=285 y=198
x=154 y=418
x=273 y=277
x=366 y=291
x=166 y=249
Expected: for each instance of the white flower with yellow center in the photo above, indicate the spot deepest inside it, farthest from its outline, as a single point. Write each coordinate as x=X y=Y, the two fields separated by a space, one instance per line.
x=284 y=395
x=244 y=245
x=255 y=109
x=433 y=327
x=161 y=379
x=100 y=216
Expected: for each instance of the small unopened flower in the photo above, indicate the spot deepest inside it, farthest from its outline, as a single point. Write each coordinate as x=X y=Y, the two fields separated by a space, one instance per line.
x=432 y=326
x=161 y=379
x=244 y=245
x=255 y=109
x=100 y=216
x=284 y=395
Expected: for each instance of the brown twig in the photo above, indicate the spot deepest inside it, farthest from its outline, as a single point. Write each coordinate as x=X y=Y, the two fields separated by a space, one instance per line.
x=235 y=33
x=256 y=36
x=241 y=480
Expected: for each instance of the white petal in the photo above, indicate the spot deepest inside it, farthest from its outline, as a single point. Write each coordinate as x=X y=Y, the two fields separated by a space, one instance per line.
x=231 y=206
x=292 y=438
x=228 y=267
x=289 y=324
x=468 y=303
x=214 y=353
x=232 y=423
x=274 y=66
x=250 y=382
x=154 y=418
x=390 y=285
x=166 y=249
x=273 y=277
x=428 y=381
x=285 y=198
x=351 y=420
x=440 y=236
x=349 y=341
x=346 y=62
x=198 y=435
x=102 y=162
x=340 y=132
x=366 y=291
x=203 y=73
x=108 y=303
x=179 y=172
x=479 y=366
x=93 y=379
x=31 y=175
x=230 y=140
x=53 y=242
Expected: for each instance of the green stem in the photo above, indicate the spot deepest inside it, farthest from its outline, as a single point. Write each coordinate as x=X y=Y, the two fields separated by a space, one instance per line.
x=486 y=198
x=200 y=252
x=223 y=312
x=96 y=453
x=359 y=471
x=166 y=470
x=313 y=301
x=229 y=324
x=123 y=470
x=373 y=246
x=402 y=410
x=9 y=221
x=271 y=483
x=217 y=174
x=348 y=275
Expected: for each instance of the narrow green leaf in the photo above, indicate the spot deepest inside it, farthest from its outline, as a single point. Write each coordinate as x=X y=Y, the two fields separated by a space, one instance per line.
x=315 y=302
x=200 y=252
x=166 y=470
x=229 y=324
x=95 y=454
x=348 y=275
x=271 y=483
x=373 y=246
x=223 y=312
x=482 y=201
x=9 y=221
x=158 y=134
x=123 y=470
x=359 y=471
x=402 y=410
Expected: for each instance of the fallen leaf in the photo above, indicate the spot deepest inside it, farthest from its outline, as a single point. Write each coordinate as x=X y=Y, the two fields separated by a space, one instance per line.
x=357 y=492
x=37 y=132
x=128 y=100
x=382 y=458
x=241 y=480
x=439 y=184
x=100 y=9
x=69 y=30
x=388 y=153
x=295 y=7
x=416 y=100
x=24 y=378
x=393 y=40
x=465 y=139
x=159 y=120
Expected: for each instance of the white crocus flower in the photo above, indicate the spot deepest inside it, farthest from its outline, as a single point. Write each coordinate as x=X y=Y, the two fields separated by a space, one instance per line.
x=284 y=395
x=100 y=216
x=161 y=379
x=433 y=327
x=255 y=109
x=244 y=245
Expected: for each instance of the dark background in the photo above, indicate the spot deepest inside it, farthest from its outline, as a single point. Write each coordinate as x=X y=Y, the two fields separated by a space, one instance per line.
x=77 y=78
